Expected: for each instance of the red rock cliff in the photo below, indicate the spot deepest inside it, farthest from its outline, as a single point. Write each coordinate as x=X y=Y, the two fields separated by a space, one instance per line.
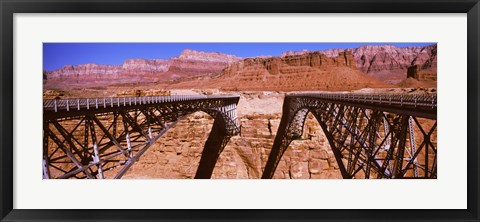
x=386 y=62
x=188 y=63
x=309 y=71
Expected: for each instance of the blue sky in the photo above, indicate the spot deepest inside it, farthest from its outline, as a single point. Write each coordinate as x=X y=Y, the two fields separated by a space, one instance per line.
x=57 y=55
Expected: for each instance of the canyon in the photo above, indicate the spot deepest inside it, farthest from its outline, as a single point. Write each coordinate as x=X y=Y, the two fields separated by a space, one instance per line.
x=176 y=154
x=262 y=83
x=333 y=69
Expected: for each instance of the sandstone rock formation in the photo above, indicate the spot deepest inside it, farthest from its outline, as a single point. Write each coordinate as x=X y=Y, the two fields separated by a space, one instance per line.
x=145 y=65
x=420 y=74
x=189 y=54
x=333 y=69
x=309 y=71
x=188 y=63
x=85 y=71
x=387 y=62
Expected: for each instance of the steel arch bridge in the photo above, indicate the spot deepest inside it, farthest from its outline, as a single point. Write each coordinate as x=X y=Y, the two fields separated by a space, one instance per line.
x=371 y=136
x=103 y=137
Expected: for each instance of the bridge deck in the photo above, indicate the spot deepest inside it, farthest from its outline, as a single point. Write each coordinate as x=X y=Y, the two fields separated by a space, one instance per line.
x=421 y=105
x=58 y=106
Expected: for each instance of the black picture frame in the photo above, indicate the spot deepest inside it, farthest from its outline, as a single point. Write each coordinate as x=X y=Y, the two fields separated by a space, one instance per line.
x=10 y=7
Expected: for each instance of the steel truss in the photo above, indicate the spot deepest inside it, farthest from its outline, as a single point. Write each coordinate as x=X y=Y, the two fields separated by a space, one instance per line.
x=371 y=136
x=103 y=137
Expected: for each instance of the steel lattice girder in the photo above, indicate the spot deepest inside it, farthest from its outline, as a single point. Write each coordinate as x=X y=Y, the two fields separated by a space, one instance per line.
x=85 y=139
x=371 y=136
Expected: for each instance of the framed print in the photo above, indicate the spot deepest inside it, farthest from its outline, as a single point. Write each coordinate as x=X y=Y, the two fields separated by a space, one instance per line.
x=279 y=110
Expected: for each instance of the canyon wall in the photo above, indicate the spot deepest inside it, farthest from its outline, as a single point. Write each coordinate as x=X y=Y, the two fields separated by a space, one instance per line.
x=85 y=71
x=188 y=63
x=308 y=71
x=416 y=72
x=387 y=62
x=288 y=64
x=176 y=155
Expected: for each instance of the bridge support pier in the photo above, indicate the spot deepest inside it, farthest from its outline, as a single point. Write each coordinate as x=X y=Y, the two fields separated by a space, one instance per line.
x=281 y=142
x=216 y=142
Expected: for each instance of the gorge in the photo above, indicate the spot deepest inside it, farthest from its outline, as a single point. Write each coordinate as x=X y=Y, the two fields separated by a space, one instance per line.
x=261 y=83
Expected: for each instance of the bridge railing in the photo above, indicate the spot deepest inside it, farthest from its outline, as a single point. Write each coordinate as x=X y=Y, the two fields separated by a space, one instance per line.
x=414 y=100
x=110 y=102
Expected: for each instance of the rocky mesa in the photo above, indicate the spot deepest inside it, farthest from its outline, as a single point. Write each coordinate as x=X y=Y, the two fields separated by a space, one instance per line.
x=188 y=63
x=388 y=63
x=307 y=71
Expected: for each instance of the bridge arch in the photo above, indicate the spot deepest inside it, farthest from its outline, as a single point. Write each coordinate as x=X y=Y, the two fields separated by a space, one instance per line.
x=291 y=128
x=112 y=133
x=366 y=136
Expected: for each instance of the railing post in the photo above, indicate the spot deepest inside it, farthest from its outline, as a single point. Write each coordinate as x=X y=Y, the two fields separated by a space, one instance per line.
x=88 y=104
x=432 y=101
x=55 y=104
x=78 y=104
x=68 y=105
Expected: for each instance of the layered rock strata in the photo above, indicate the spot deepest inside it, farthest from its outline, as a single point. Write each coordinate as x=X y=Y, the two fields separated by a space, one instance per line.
x=188 y=63
x=386 y=62
x=310 y=71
